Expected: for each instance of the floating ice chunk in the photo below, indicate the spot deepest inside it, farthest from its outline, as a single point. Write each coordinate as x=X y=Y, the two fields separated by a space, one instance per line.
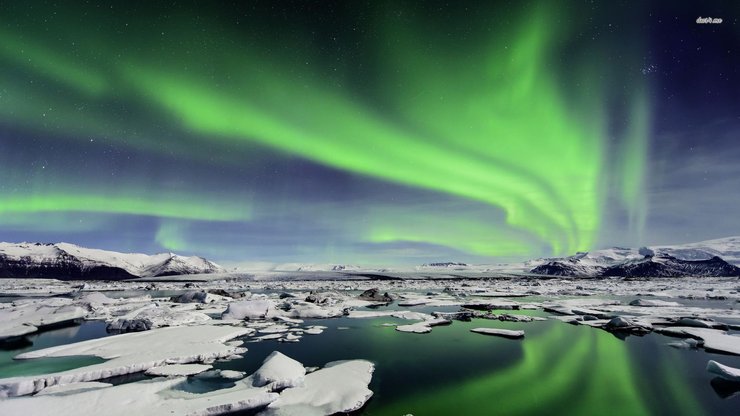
x=198 y=296
x=654 y=303
x=231 y=374
x=248 y=309
x=152 y=316
x=506 y=333
x=417 y=328
x=96 y=298
x=699 y=323
x=374 y=295
x=314 y=330
x=308 y=310
x=24 y=319
x=724 y=371
x=288 y=320
x=290 y=338
x=625 y=324
x=274 y=329
x=268 y=337
x=279 y=371
x=492 y=305
x=519 y=318
x=413 y=316
x=178 y=370
x=340 y=387
x=423 y=327
x=714 y=339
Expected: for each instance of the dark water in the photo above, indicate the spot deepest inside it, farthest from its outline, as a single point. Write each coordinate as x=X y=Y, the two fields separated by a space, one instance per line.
x=557 y=369
x=59 y=336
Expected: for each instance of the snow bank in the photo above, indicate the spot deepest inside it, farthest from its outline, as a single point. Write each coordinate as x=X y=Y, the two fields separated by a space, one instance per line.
x=340 y=387
x=278 y=372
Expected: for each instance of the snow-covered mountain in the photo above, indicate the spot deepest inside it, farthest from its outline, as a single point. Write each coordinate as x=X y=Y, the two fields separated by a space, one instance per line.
x=69 y=262
x=707 y=258
x=444 y=265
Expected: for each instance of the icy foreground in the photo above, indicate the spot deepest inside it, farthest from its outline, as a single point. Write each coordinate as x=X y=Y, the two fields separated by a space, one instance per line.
x=339 y=387
x=130 y=353
x=182 y=335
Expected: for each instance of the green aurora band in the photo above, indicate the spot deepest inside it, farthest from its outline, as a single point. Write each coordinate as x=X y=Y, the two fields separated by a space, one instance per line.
x=490 y=121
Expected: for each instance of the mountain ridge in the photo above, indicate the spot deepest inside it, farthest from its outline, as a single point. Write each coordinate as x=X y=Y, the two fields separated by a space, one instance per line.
x=71 y=262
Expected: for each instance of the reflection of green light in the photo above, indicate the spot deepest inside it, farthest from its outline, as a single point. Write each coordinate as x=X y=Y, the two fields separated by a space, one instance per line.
x=578 y=371
x=671 y=366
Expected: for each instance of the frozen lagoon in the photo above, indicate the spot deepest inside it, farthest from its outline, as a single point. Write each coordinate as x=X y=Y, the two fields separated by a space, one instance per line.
x=558 y=368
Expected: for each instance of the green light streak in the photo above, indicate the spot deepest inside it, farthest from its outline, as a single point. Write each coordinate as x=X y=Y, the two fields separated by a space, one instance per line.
x=50 y=64
x=470 y=236
x=634 y=161
x=170 y=236
x=522 y=150
x=488 y=121
x=167 y=207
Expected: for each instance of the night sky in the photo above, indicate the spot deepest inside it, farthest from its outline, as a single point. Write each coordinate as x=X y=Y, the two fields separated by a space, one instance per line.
x=375 y=133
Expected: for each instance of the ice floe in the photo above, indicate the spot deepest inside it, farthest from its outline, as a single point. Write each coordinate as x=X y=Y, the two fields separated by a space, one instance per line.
x=724 y=371
x=339 y=387
x=506 y=333
x=713 y=339
x=279 y=371
x=130 y=353
x=23 y=319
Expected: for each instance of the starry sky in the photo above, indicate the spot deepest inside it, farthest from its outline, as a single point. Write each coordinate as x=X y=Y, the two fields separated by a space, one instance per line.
x=368 y=132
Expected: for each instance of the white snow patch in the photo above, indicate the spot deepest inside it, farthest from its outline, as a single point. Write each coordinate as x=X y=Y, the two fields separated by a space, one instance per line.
x=279 y=371
x=340 y=387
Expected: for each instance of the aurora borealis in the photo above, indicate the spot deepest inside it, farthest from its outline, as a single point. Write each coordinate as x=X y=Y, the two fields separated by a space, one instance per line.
x=377 y=133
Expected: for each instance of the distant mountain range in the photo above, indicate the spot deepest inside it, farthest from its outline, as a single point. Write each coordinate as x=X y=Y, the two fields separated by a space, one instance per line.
x=707 y=258
x=70 y=262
